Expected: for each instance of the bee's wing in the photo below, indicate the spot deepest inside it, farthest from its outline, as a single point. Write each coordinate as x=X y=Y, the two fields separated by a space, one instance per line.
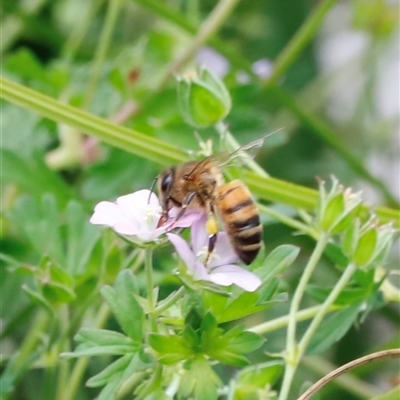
x=241 y=155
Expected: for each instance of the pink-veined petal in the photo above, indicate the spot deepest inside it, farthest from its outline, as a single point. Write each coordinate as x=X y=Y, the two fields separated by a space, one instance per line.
x=199 y=235
x=237 y=275
x=224 y=251
x=188 y=219
x=183 y=250
x=139 y=206
x=200 y=272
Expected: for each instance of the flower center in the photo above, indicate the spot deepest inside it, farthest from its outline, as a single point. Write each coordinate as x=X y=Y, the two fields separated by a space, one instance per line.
x=152 y=216
x=202 y=255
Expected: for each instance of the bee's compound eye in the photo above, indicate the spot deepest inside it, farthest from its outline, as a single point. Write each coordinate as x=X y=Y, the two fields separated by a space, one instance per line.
x=166 y=182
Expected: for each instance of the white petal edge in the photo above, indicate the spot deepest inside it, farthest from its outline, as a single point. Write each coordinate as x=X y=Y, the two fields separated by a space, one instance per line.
x=109 y=214
x=236 y=275
x=183 y=250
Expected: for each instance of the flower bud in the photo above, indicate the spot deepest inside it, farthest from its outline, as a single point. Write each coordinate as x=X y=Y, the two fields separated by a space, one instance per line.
x=373 y=244
x=203 y=99
x=337 y=209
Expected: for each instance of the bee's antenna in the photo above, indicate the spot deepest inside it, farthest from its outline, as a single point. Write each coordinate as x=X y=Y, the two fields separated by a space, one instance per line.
x=152 y=188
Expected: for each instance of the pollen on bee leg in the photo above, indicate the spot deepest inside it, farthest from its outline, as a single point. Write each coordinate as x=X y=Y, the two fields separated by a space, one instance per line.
x=211 y=225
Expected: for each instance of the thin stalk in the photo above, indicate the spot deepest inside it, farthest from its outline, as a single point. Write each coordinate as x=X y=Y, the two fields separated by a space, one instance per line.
x=64 y=346
x=380 y=355
x=206 y=30
x=178 y=19
x=102 y=49
x=170 y=302
x=80 y=366
x=292 y=358
x=340 y=285
x=148 y=266
x=32 y=338
x=75 y=38
x=299 y=41
x=281 y=322
x=354 y=385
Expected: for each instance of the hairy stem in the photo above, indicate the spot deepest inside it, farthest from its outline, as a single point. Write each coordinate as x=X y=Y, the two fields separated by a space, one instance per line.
x=292 y=356
x=281 y=322
x=340 y=285
x=206 y=30
x=148 y=265
x=80 y=366
x=299 y=41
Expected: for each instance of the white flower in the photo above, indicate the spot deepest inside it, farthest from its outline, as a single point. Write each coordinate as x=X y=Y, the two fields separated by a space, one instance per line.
x=136 y=216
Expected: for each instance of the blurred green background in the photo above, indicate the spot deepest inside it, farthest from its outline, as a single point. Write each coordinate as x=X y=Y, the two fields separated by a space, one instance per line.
x=336 y=98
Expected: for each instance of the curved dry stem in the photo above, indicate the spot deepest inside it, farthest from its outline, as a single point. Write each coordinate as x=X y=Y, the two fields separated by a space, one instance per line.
x=380 y=355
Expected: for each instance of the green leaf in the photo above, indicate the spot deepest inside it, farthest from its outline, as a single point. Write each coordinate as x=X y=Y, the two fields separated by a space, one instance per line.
x=245 y=304
x=366 y=247
x=134 y=362
x=346 y=296
x=333 y=328
x=38 y=298
x=259 y=375
x=277 y=261
x=57 y=293
x=39 y=223
x=245 y=342
x=25 y=64
x=199 y=380
x=124 y=306
x=103 y=377
x=171 y=348
x=101 y=341
x=335 y=254
x=33 y=177
x=118 y=378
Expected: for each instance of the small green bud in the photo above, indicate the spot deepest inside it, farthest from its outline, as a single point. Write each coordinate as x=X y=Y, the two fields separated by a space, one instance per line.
x=365 y=247
x=373 y=244
x=350 y=238
x=203 y=99
x=337 y=209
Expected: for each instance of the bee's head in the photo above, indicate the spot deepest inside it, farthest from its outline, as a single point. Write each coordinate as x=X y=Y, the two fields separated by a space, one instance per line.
x=165 y=182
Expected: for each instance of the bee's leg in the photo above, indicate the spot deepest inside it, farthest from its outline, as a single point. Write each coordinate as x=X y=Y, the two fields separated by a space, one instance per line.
x=185 y=204
x=212 y=229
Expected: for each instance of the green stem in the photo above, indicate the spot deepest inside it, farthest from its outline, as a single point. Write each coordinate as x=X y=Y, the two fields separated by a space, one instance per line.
x=270 y=189
x=299 y=41
x=340 y=285
x=148 y=265
x=292 y=358
x=31 y=340
x=64 y=346
x=206 y=30
x=178 y=19
x=75 y=38
x=169 y=302
x=101 y=50
x=281 y=322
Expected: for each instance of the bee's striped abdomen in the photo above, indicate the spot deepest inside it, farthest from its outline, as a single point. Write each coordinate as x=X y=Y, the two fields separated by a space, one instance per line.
x=241 y=219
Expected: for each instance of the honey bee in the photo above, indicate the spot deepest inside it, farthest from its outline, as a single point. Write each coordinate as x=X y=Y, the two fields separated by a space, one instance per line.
x=199 y=185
